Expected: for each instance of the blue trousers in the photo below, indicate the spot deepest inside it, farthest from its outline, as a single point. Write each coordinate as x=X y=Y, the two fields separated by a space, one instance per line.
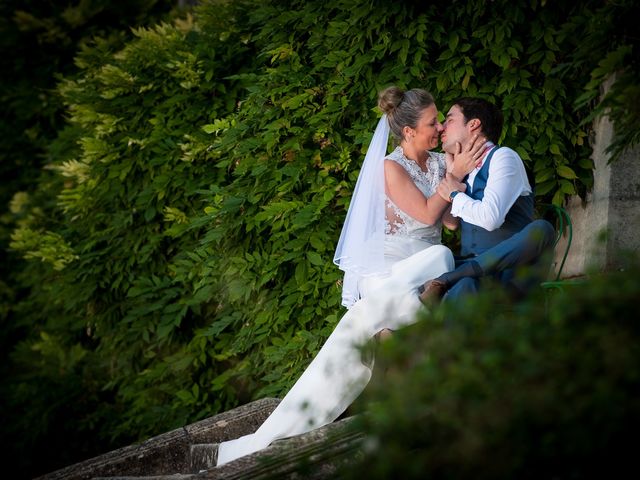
x=527 y=248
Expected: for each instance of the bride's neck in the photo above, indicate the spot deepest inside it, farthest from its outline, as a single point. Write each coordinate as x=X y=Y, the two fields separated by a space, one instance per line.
x=412 y=153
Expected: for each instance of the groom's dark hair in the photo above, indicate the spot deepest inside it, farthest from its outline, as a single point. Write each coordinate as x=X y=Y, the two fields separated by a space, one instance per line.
x=490 y=115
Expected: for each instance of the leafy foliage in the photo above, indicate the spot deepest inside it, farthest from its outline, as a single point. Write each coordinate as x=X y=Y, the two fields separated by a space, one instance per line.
x=182 y=232
x=547 y=388
x=617 y=55
x=38 y=43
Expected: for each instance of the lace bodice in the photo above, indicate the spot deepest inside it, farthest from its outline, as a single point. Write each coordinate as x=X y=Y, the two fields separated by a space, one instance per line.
x=399 y=223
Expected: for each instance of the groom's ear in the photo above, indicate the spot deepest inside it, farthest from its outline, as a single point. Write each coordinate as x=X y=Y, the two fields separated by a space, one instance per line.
x=475 y=125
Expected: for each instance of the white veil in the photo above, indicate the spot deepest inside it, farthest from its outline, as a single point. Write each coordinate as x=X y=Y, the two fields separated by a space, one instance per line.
x=360 y=251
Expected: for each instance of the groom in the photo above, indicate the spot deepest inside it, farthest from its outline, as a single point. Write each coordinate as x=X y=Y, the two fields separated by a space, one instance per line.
x=495 y=206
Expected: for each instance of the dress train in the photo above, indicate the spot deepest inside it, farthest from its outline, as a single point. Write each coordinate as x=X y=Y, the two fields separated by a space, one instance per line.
x=336 y=376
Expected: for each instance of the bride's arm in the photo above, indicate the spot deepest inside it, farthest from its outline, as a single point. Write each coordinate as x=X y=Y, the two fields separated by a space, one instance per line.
x=403 y=192
x=449 y=221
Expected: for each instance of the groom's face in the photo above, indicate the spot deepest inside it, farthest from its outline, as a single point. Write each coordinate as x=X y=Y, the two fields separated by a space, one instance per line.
x=455 y=130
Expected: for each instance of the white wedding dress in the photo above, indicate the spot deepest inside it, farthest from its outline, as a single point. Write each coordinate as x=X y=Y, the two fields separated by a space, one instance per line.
x=336 y=376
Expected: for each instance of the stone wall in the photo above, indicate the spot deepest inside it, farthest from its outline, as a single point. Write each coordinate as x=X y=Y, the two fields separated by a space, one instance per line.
x=606 y=224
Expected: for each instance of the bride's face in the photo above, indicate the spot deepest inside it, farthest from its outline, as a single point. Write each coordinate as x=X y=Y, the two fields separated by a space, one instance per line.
x=427 y=132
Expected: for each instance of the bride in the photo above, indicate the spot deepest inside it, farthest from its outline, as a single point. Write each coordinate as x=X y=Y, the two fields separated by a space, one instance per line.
x=390 y=245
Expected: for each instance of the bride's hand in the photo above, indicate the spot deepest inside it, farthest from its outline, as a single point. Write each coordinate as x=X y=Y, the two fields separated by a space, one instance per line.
x=447 y=185
x=465 y=159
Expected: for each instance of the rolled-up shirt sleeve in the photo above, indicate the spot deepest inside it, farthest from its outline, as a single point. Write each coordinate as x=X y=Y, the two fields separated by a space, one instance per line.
x=507 y=181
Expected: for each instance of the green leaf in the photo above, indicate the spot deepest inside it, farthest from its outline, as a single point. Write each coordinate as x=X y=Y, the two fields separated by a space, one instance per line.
x=567 y=187
x=315 y=259
x=544 y=175
x=546 y=187
x=453 y=41
x=558 y=198
x=566 y=172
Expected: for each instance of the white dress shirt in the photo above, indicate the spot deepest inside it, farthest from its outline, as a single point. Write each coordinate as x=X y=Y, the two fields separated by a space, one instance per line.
x=507 y=181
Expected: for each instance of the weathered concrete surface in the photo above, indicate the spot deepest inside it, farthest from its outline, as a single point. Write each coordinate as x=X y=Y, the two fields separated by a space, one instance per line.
x=176 y=476
x=315 y=455
x=606 y=226
x=169 y=453
x=203 y=456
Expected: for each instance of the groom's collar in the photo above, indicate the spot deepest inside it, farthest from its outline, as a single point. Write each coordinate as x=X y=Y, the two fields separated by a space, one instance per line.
x=487 y=148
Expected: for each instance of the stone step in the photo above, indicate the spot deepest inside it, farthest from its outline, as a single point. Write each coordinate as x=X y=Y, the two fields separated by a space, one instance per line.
x=169 y=455
x=203 y=456
x=315 y=455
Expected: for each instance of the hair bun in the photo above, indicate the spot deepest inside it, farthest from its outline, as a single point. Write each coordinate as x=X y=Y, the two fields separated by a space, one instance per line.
x=389 y=99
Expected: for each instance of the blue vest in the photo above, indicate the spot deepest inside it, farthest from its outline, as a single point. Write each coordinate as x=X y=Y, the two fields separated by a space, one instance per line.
x=475 y=240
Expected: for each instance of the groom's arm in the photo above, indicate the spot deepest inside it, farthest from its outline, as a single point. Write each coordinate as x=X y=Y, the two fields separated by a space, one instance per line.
x=507 y=180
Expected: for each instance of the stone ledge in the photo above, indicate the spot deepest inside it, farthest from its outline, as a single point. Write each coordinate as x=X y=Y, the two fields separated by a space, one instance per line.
x=168 y=455
x=315 y=455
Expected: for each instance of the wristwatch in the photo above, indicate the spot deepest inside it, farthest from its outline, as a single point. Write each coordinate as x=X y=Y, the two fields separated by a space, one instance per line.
x=453 y=194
